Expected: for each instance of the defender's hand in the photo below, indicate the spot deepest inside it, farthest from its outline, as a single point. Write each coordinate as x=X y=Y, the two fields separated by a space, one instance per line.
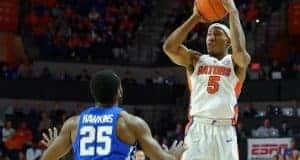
x=176 y=149
x=229 y=5
x=48 y=139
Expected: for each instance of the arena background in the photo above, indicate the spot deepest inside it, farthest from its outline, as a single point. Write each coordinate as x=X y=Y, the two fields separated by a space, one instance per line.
x=50 y=48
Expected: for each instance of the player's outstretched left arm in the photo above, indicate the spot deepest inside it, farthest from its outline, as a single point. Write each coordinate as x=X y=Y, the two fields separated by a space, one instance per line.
x=61 y=145
x=240 y=56
x=148 y=144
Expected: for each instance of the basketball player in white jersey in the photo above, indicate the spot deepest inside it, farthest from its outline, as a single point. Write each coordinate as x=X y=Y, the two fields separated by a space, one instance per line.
x=215 y=82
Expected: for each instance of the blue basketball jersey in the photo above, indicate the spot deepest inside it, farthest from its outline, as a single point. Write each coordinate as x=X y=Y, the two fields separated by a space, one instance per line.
x=97 y=138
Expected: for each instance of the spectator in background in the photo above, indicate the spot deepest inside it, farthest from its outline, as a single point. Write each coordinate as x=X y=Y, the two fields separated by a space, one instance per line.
x=22 y=136
x=7 y=131
x=273 y=111
x=276 y=71
x=171 y=79
x=128 y=78
x=25 y=71
x=241 y=132
x=156 y=137
x=46 y=74
x=249 y=112
x=266 y=130
x=284 y=130
x=165 y=141
x=84 y=76
x=140 y=155
x=64 y=76
x=45 y=122
x=2 y=154
x=179 y=132
x=33 y=152
x=126 y=24
x=158 y=78
x=100 y=6
x=148 y=80
x=94 y=15
x=8 y=73
x=251 y=15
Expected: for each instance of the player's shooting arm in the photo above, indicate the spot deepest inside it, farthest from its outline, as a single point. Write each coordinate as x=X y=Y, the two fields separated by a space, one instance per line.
x=240 y=55
x=174 y=47
x=149 y=145
x=62 y=144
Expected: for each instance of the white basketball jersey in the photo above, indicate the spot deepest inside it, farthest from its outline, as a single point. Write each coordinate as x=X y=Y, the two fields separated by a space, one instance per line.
x=214 y=88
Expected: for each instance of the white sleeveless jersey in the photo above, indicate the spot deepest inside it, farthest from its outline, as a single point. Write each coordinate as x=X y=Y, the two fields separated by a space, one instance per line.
x=214 y=88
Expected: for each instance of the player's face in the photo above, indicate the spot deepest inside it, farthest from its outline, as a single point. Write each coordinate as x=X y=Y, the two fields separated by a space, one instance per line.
x=216 y=41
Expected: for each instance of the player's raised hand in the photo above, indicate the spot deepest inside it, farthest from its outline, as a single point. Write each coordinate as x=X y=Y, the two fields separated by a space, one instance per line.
x=229 y=5
x=176 y=149
x=49 y=138
x=197 y=15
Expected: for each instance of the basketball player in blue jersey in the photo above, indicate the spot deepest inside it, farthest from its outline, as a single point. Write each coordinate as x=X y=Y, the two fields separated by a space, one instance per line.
x=105 y=131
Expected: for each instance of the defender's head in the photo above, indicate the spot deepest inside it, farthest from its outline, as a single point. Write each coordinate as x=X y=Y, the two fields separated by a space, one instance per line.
x=106 y=88
x=217 y=39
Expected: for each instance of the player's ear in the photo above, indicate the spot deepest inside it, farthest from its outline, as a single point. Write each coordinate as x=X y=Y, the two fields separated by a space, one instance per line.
x=228 y=43
x=120 y=92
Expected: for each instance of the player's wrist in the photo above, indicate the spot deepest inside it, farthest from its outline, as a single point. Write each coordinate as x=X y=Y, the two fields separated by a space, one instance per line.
x=195 y=19
x=233 y=11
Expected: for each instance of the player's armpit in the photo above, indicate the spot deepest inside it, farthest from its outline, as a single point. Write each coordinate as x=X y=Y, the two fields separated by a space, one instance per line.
x=241 y=62
x=62 y=144
x=241 y=59
x=148 y=144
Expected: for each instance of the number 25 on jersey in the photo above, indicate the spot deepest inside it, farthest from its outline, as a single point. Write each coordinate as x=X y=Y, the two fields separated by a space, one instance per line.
x=95 y=141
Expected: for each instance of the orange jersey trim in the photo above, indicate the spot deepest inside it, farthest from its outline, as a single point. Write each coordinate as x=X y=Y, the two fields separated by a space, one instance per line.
x=238 y=88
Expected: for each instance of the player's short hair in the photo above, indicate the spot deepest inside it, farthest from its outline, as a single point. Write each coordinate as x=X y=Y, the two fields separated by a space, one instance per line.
x=104 y=86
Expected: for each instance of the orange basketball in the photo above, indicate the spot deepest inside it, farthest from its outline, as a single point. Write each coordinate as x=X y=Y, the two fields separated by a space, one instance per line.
x=211 y=10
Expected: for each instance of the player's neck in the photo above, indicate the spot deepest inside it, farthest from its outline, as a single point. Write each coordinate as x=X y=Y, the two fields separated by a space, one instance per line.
x=221 y=55
x=106 y=105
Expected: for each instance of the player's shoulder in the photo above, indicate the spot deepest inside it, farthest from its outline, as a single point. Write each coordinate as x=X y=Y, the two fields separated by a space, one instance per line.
x=128 y=117
x=73 y=119
x=72 y=122
x=130 y=120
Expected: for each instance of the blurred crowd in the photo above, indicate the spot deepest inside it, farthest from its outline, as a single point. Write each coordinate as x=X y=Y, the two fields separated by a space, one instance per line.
x=103 y=30
x=257 y=71
x=275 y=70
x=78 y=29
x=274 y=122
x=21 y=132
x=82 y=30
x=25 y=72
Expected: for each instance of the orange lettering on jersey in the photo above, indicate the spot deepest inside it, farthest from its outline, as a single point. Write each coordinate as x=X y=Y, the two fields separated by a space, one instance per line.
x=214 y=70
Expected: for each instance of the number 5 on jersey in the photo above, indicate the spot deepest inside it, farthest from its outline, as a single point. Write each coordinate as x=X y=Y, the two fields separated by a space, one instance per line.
x=213 y=85
x=95 y=141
